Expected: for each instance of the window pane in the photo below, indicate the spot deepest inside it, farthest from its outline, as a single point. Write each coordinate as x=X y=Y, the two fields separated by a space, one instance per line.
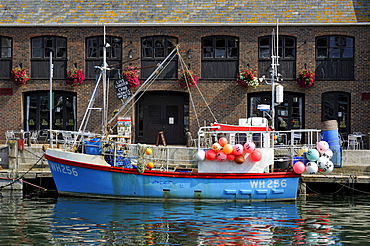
x=265 y=42
x=232 y=42
x=232 y=53
x=159 y=52
x=334 y=42
x=289 y=42
x=208 y=52
x=37 y=43
x=220 y=52
x=322 y=41
x=49 y=42
x=147 y=52
x=347 y=52
x=348 y=42
x=47 y=52
x=265 y=52
x=207 y=42
x=61 y=42
x=6 y=42
x=61 y=52
x=321 y=52
x=6 y=52
x=334 y=53
x=220 y=43
x=37 y=53
x=289 y=52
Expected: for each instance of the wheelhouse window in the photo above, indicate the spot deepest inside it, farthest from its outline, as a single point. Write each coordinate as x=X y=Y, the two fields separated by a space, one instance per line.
x=5 y=57
x=40 y=62
x=220 y=57
x=287 y=56
x=94 y=55
x=335 y=58
x=154 y=50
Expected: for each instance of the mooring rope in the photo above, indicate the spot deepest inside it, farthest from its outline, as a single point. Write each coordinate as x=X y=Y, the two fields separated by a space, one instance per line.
x=351 y=177
x=21 y=177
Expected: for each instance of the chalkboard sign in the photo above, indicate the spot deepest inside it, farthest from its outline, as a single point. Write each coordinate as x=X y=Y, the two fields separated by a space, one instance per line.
x=122 y=88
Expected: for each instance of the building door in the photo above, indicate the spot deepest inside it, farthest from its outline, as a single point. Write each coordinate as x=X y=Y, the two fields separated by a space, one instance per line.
x=161 y=111
x=336 y=106
x=37 y=116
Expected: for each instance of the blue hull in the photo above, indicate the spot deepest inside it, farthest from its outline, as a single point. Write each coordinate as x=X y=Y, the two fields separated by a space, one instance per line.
x=81 y=179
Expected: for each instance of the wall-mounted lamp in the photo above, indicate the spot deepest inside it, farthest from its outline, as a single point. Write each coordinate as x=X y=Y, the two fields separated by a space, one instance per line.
x=75 y=65
x=130 y=54
x=305 y=66
x=188 y=53
x=20 y=65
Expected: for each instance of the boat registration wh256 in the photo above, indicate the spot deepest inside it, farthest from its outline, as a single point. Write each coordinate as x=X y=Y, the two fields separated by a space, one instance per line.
x=63 y=169
x=269 y=183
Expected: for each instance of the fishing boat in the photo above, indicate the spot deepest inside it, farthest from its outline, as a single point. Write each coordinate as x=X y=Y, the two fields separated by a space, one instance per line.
x=225 y=162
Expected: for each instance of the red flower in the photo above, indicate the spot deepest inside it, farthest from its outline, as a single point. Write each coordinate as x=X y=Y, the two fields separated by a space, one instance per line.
x=132 y=76
x=306 y=78
x=188 y=79
x=19 y=76
x=75 y=77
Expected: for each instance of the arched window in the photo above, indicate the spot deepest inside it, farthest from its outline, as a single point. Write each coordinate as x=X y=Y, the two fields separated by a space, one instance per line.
x=155 y=49
x=335 y=58
x=220 y=57
x=40 y=58
x=287 y=56
x=5 y=56
x=94 y=55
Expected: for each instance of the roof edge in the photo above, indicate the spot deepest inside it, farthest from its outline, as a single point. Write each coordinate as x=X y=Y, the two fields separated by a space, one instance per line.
x=179 y=24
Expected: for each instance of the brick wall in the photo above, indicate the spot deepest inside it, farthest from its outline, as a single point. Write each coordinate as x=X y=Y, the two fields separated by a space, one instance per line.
x=225 y=97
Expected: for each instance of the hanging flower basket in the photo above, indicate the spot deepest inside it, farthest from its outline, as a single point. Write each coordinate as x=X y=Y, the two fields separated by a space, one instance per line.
x=132 y=76
x=188 y=79
x=75 y=77
x=19 y=76
x=248 y=78
x=306 y=78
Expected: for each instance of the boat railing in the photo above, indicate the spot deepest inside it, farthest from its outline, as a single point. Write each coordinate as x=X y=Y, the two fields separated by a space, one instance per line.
x=166 y=158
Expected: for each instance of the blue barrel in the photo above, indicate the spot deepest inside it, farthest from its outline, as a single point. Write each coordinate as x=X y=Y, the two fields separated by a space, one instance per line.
x=329 y=133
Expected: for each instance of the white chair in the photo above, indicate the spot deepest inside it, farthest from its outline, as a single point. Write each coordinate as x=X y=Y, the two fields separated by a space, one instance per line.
x=359 y=139
x=9 y=135
x=34 y=137
x=352 y=142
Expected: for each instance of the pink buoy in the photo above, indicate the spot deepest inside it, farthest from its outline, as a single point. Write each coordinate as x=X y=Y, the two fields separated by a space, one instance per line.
x=221 y=156
x=238 y=149
x=249 y=147
x=210 y=154
x=299 y=167
x=222 y=141
x=322 y=146
x=256 y=155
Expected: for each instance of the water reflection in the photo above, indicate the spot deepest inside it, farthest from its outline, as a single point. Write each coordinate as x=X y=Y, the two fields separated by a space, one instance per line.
x=171 y=223
x=318 y=220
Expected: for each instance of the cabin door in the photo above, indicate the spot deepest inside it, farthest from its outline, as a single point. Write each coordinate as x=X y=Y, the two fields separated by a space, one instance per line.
x=161 y=111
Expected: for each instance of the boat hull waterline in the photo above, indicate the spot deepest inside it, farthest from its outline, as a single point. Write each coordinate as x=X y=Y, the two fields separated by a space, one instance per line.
x=86 y=179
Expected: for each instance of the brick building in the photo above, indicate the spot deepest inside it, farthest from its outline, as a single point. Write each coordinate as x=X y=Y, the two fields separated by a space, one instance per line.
x=217 y=39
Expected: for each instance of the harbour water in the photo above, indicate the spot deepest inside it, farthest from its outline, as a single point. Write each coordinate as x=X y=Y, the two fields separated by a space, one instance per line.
x=315 y=220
